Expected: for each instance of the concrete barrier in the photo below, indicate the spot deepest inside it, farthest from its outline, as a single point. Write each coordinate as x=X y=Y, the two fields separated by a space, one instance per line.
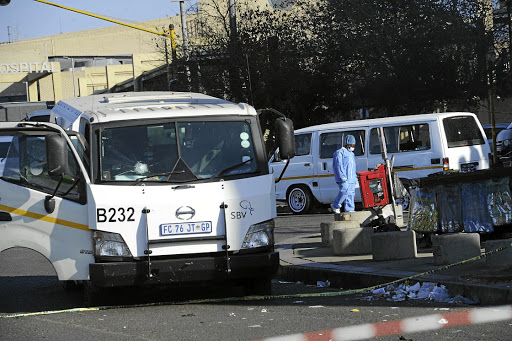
x=366 y=216
x=501 y=258
x=455 y=247
x=352 y=241
x=326 y=229
x=394 y=245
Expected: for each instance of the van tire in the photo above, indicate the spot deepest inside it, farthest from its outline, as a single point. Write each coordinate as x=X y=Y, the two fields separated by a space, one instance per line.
x=299 y=199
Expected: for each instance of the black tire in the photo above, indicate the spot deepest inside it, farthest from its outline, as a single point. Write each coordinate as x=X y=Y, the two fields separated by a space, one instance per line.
x=299 y=200
x=405 y=202
x=259 y=287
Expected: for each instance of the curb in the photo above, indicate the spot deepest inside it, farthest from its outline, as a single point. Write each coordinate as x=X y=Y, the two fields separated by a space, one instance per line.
x=348 y=277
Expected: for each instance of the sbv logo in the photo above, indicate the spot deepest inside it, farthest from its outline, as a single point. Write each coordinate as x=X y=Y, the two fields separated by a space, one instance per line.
x=185 y=213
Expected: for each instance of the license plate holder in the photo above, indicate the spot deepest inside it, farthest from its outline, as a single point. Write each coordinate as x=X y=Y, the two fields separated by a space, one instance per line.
x=467 y=167
x=182 y=228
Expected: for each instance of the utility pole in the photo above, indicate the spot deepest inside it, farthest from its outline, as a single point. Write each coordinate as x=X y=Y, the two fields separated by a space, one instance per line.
x=487 y=11
x=232 y=19
x=509 y=35
x=184 y=32
x=233 y=65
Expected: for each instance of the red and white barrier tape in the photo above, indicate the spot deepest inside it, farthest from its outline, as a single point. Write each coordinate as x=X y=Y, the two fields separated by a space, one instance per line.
x=405 y=326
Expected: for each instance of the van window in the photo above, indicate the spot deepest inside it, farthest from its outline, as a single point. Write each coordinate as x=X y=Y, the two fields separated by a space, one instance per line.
x=331 y=142
x=302 y=144
x=462 y=131
x=5 y=142
x=404 y=138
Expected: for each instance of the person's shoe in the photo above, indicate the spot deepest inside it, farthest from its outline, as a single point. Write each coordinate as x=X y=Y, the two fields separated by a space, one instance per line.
x=335 y=210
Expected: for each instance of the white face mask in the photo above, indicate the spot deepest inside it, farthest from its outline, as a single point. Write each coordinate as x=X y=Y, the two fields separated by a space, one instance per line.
x=351 y=149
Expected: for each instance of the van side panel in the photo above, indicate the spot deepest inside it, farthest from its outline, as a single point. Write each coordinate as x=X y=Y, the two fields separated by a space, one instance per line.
x=412 y=157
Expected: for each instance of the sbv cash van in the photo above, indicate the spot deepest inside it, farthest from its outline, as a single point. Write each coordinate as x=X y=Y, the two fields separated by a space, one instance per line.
x=419 y=144
x=142 y=188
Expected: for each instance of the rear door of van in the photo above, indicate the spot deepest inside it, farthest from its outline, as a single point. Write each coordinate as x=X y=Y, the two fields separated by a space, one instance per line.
x=413 y=146
x=466 y=146
x=330 y=141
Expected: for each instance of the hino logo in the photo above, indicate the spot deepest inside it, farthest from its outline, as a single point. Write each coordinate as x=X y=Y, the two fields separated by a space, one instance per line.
x=185 y=213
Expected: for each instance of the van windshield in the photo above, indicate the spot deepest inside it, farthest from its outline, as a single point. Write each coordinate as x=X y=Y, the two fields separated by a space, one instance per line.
x=462 y=131
x=177 y=151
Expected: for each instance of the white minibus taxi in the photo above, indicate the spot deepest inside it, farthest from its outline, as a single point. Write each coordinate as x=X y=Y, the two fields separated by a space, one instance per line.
x=419 y=144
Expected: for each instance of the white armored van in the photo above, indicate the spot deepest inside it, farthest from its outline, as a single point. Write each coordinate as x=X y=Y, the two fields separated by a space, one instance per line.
x=419 y=144
x=141 y=188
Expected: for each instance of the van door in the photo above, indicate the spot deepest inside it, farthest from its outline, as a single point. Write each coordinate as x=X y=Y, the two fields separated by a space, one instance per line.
x=61 y=235
x=467 y=148
x=329 y=143
x=411 y=147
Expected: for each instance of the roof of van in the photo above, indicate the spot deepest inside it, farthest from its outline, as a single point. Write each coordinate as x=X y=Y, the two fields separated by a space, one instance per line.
x=147 y=105
x=382 y=121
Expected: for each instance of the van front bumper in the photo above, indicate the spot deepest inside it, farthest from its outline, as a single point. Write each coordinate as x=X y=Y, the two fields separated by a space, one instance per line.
x=185 y=270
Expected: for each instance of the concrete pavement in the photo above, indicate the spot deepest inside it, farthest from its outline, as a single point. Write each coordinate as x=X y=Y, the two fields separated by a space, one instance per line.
x=306 y=259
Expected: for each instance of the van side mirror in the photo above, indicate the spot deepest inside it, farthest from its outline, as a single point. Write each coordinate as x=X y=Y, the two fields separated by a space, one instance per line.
x=57 y=155
x=285 y=138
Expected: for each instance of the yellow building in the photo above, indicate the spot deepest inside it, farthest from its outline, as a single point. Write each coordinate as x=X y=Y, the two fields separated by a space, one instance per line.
x=81 y=63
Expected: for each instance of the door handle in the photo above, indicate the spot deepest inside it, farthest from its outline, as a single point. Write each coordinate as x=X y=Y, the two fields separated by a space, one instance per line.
x=5 y=216
x=307 y=164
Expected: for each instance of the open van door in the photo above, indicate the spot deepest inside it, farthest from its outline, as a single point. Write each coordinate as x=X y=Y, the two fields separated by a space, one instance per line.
x=330 y=141
x=43 y=199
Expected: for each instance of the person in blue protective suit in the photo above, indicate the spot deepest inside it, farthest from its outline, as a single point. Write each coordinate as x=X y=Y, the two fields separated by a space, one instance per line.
x=344 y=168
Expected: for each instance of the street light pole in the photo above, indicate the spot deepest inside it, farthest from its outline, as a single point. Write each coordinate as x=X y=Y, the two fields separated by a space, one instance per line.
x=184 y=32
x=232 y=18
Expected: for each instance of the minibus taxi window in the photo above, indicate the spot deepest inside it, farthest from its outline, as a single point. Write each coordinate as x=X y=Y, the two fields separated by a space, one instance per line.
x=302 y=144
x=462 y=131
x=331 y=142
x=405 y=138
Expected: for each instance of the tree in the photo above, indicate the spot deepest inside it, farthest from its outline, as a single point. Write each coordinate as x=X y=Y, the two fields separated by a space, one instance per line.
x=324 y=60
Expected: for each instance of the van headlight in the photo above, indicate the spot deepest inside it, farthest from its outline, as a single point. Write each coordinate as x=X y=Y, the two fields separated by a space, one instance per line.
x=107 y=244
x=259 y=235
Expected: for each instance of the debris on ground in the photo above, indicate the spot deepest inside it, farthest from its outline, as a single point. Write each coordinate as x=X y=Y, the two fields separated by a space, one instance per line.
x=322 y=284
x=418 y=291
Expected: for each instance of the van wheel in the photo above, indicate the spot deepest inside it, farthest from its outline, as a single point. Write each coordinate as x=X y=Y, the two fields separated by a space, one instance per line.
x=299 y=200
x=404 y=202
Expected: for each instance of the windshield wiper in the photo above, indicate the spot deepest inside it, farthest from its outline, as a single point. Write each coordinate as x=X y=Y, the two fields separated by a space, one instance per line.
x=166 y=174
x=231 y=168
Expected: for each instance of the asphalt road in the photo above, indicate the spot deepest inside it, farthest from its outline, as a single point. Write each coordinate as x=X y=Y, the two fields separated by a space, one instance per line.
x=28 y=284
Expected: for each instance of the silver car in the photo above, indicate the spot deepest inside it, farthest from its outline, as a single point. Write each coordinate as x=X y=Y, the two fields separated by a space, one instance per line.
x=504 y=142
